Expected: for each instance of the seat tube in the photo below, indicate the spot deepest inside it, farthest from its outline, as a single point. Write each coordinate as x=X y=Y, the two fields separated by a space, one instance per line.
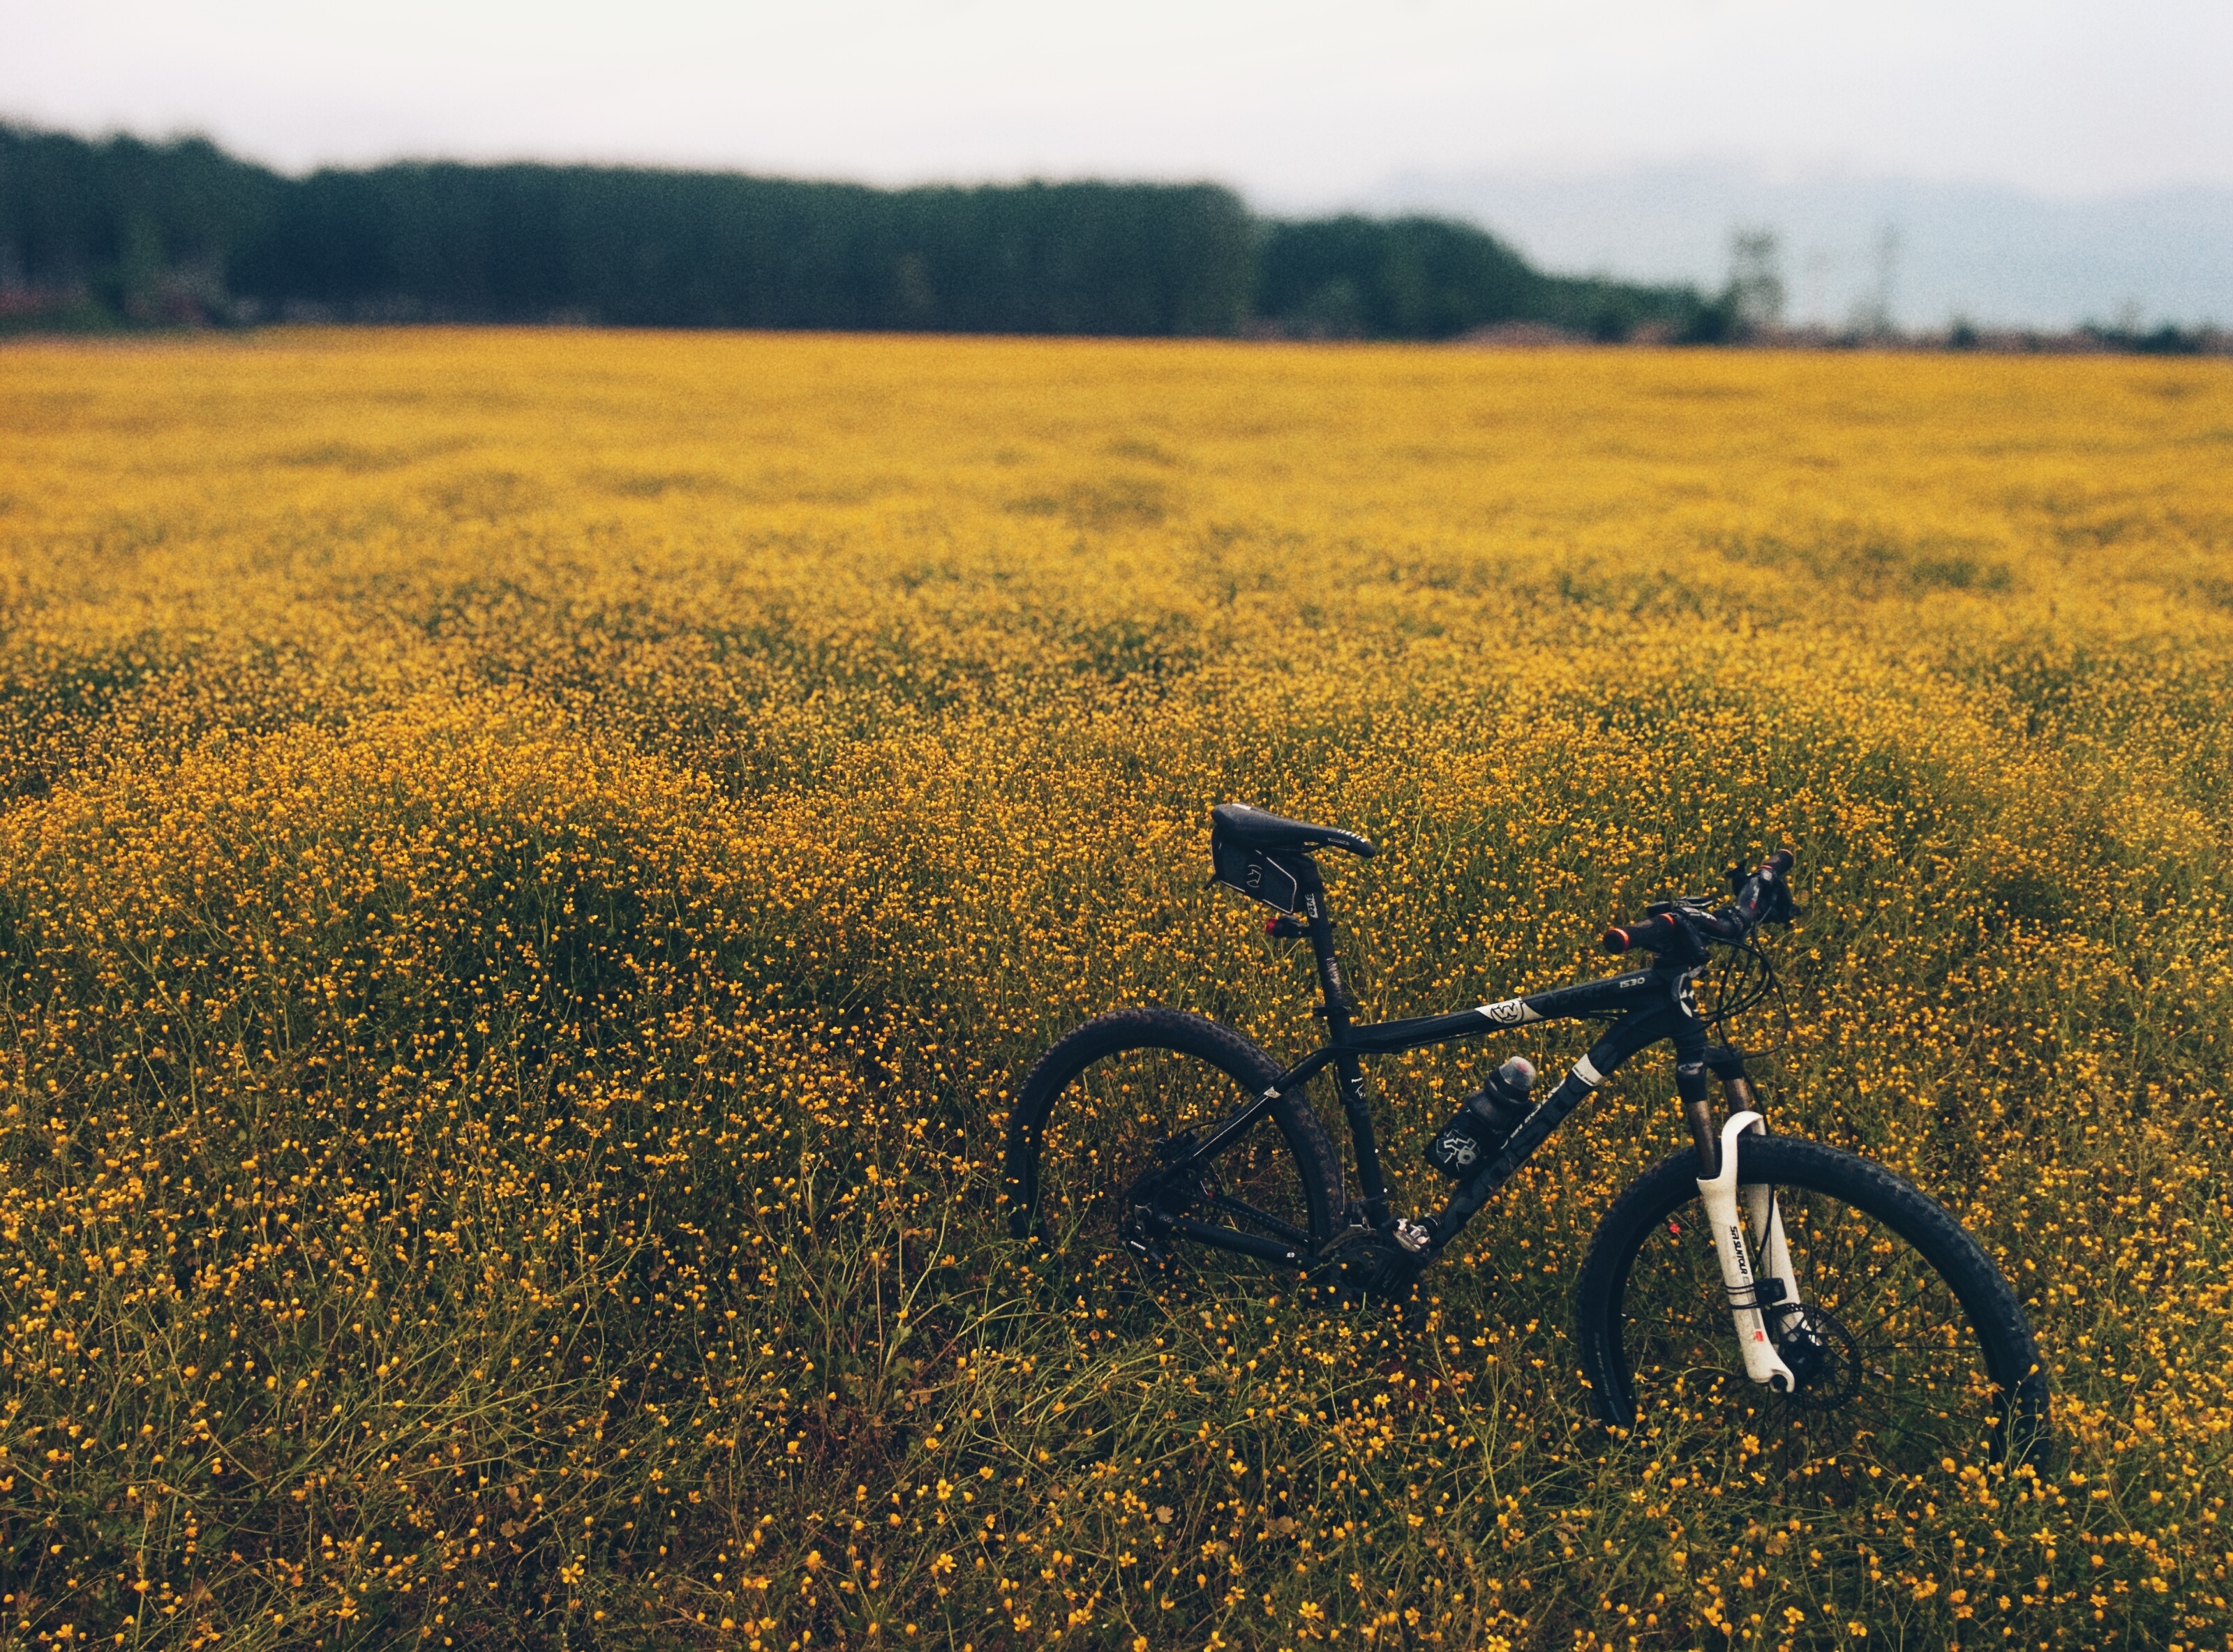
x=1349 y=1072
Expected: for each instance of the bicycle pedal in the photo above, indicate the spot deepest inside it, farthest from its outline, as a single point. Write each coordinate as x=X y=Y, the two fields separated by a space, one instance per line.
x=1152 y=1260
x=1141 y=1246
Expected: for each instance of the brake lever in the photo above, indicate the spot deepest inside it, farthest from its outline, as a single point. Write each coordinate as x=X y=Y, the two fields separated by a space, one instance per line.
x=1781 y=909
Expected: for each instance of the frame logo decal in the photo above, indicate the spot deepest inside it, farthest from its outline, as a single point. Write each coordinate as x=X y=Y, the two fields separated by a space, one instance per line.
x=1509 y=1012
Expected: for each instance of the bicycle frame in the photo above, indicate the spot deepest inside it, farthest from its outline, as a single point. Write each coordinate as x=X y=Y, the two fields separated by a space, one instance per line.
x=1646 y=1007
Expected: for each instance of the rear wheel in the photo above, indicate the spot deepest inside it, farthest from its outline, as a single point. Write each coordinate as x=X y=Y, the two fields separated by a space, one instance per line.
x=1909 y=1347
x=1105 y=1111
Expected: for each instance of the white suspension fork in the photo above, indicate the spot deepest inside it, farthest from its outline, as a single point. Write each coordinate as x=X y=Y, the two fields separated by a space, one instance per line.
x=1764 y=1226
x=1733 y=1236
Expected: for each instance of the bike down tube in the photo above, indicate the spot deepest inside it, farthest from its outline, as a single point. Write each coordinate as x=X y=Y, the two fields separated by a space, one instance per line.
x=1636 y=1031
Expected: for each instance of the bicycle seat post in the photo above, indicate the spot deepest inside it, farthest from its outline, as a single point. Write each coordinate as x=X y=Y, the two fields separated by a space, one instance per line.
x=1335 y=1004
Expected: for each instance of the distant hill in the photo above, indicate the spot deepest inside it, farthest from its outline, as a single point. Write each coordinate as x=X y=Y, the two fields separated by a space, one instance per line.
x=1991 y=255
x=120 y=232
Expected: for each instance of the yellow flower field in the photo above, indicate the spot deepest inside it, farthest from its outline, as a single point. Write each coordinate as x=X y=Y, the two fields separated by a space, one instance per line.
x=532 y=864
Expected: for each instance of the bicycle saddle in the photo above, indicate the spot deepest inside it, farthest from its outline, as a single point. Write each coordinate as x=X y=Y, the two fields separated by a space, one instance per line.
x=1252 y=827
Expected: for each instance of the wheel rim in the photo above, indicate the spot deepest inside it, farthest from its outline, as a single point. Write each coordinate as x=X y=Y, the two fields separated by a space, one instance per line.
x=1900 y=1381
x=1102 y=1140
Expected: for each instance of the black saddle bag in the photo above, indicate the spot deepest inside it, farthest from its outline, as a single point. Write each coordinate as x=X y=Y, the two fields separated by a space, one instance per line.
x=1276 y=880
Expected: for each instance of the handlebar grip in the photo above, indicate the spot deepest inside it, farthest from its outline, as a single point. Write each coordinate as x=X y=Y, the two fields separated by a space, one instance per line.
x=1649 y=933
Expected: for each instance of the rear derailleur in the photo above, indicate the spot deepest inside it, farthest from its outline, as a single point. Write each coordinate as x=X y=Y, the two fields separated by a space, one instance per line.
x=1155 y=1200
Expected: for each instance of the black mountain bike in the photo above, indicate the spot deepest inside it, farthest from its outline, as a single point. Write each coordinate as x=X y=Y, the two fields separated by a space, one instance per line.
x=1746 y=1267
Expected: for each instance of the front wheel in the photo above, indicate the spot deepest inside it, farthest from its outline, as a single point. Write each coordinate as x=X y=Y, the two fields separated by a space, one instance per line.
x=1096 y=1143
x=1909 y=1347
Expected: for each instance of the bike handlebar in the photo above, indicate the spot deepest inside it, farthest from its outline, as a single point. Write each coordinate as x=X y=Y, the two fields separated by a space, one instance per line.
x=1734 y=922
x=1651 y=933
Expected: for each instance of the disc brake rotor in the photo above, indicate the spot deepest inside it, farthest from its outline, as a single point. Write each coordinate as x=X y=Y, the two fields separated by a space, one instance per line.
x=1822 y=1354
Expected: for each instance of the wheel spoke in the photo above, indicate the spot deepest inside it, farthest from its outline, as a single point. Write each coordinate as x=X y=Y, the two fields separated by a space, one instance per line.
x=1116 y=1147
x=1895 y=1374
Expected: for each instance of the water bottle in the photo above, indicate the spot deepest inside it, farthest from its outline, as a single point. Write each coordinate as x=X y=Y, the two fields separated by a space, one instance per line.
x=1484 y=1121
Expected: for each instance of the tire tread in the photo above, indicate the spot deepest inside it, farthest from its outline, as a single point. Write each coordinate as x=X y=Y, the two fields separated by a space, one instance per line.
x=1949 y=1248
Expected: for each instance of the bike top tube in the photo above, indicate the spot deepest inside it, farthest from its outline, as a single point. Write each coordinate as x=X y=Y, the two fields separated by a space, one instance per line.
x=1645 y=1007
x=1615 y=995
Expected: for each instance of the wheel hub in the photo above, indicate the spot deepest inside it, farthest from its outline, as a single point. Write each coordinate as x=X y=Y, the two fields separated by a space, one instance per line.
x=1823 y=1357
x=1155 y=1198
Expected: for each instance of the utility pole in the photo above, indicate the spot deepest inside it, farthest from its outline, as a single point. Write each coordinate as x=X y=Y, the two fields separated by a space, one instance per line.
x=1874 y=316
x=1755 y=294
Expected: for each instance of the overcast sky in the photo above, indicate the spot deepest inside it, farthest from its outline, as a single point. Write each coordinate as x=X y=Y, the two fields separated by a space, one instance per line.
x=1299 y=103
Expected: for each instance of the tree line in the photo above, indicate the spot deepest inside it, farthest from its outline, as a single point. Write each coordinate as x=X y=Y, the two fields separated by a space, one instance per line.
x=121 y=232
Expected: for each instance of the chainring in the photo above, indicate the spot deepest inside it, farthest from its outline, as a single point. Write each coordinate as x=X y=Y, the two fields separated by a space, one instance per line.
x=1364 y=1266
